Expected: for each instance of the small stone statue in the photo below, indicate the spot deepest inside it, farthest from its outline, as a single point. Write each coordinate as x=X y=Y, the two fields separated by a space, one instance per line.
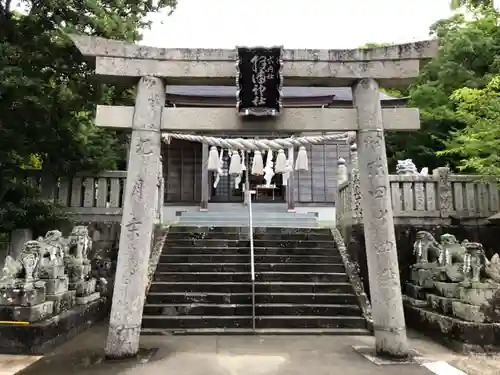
x=426 y=248
x=25 y=268
x=492 y=268
x=406 y=167
x=76 y=259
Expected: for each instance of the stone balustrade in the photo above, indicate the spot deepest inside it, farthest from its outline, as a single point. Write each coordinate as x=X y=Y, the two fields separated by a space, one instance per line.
x=435 y=198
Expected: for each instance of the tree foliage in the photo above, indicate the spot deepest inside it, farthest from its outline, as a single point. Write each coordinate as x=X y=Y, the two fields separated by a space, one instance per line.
x=48 y=93
x=469 y=57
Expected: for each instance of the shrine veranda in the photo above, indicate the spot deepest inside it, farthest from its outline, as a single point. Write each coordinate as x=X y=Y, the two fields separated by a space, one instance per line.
x=153 y=69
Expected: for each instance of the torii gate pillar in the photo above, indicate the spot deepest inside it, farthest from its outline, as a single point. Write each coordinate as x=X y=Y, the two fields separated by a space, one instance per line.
x=137 y=221
x=378 y=222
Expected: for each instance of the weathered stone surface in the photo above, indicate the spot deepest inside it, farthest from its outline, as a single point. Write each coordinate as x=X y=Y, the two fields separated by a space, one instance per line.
x=479 y=294
x=22 y=296
x=33 y=313
x=457 y=334
x=83 y=287
x=63 y=302
x=415 y=291
x=291 y=120
x=440 y=304
x=469 y=313
x=43 y=336
x=56 y=286
x=387 y=304
x=87 y=298
x=390 y=65
x=137 y=221
x=449 y=290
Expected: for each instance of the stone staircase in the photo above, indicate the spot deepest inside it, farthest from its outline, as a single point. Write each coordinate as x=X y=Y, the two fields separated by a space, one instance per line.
x=202 y=284
x=236 y=215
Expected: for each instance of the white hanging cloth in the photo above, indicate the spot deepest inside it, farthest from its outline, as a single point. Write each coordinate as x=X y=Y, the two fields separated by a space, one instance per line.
x=268 y=170
x=221 y=167
x=288 y=169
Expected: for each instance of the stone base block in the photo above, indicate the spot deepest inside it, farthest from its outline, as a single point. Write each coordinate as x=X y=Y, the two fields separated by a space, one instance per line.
x=470 y=313
x=53 y=272
x=63 y=302
x=87 y=299
x=440 y=304
x=42 y=337
x=56 y=286
x=444 y=289
x=415 y=302
x=30 y=314
x=458 y=335
x=479 y=294
x=415 y=291
x=83 y=287
x=423 y=277
x=25 y=295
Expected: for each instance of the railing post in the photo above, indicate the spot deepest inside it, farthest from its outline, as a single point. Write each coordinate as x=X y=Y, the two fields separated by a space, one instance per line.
x=444 y=191
x=355 y=189
x=341 y=178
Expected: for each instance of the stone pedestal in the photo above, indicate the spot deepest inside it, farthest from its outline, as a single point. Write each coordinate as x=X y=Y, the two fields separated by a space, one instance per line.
x=21 y=301
x=382 y=257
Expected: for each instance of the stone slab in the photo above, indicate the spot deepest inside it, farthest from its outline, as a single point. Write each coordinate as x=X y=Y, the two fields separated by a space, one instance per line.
x=83 y=287
x=22 y=296
x=292 y=120
x=392 y=65
x=83 y=300
x=440 y=304
x=415 y=291
x=369 y=353
x=456 y=334
x=63 y=302
x=446 y=289
x=53 y=272
x=42 y=337
x=56 y=286
x=33 y=313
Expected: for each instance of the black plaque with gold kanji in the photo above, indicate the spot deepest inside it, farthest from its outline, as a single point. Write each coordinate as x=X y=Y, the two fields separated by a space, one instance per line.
x=259 y=81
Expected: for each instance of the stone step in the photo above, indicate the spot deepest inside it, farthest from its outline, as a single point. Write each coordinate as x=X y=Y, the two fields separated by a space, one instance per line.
x=244 y=229
x=242 y=287
x=242 y=321
x=246 y=250
x=244 y=236
x=246 y=276
x=202 y=309
x=268 y=224
x=246 y=298
x=260 y=331
x=236 y=243
x=245 y=258
x=245 y=267
x=244 y=215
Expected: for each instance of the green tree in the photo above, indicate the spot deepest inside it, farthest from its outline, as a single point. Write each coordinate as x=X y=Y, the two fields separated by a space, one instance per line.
x=477 y=144
x=469 y=57
x=48 y=93
x=471 y=4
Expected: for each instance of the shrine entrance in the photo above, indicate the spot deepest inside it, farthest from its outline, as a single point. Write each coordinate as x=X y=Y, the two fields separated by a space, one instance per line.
x=231 y=189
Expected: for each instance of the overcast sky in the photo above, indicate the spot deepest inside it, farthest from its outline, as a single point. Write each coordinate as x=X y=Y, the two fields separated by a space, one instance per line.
x=311 y=24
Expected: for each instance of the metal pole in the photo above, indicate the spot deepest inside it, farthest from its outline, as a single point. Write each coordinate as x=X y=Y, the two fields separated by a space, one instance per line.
x=252 y=261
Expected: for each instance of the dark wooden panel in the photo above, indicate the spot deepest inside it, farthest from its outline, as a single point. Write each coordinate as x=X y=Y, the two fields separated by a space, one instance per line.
x=319 y=184
x=182 y=167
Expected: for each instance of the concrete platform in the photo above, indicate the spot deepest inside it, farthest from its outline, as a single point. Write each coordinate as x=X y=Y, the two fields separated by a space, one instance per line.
x=238 y=355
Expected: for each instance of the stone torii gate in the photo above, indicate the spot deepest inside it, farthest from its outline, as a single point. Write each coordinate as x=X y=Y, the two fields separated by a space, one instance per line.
x=151 y=69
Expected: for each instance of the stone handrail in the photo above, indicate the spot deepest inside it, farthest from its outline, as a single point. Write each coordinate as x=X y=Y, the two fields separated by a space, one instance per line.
x=431 y=197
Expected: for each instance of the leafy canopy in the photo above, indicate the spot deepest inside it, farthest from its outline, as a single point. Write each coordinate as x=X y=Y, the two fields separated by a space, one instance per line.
x=48 y=93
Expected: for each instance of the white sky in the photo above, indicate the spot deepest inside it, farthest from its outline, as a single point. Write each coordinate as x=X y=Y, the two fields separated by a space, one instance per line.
x=314 y=24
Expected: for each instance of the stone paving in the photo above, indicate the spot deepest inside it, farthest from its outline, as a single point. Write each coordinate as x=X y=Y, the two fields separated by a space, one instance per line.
x=240 y=355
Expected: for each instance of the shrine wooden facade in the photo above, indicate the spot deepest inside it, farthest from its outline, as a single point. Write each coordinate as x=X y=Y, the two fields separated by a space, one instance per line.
x=183 y=161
